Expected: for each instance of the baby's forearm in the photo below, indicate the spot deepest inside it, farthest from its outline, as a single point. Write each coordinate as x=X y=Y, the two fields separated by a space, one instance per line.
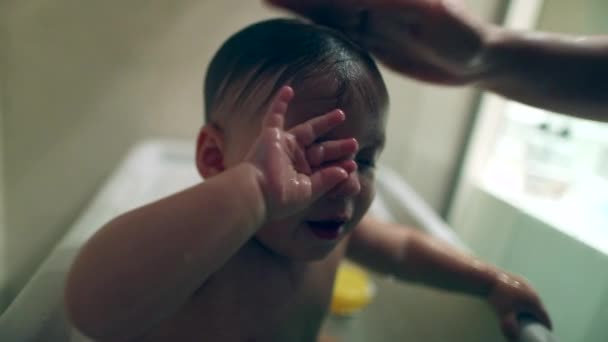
x=432 y=262
x=142 y=266
x=411 y=255
x=562 y=73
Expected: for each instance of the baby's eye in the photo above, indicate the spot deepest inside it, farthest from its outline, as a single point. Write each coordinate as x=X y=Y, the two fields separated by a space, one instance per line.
x=365 y=165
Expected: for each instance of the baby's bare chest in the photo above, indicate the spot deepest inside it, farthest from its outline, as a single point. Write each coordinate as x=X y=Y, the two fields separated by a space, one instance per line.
x=249 y=300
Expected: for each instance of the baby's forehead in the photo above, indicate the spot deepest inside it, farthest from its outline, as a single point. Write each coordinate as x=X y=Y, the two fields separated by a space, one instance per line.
x=315 y=95
x=314 y=100
x=363 y=122
x=319 y=96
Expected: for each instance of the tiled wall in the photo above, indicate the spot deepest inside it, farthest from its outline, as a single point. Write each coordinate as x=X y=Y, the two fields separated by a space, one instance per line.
x=85 y=80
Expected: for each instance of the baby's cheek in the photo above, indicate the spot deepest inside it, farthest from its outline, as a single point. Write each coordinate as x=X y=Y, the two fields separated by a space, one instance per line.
x=365 y=197
x=348 y=189
x=277 y=235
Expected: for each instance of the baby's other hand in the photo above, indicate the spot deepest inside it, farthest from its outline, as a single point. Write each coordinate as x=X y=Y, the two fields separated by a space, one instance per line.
x=294 y=170
x=512 y=296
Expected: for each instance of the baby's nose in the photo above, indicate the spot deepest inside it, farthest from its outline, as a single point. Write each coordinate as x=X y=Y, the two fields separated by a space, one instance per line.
x=348 y=188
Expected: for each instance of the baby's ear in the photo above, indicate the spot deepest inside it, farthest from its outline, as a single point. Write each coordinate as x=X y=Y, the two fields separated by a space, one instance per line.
x=210 y=151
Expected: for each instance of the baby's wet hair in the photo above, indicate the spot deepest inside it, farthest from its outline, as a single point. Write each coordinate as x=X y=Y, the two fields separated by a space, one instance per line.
x=289 y=51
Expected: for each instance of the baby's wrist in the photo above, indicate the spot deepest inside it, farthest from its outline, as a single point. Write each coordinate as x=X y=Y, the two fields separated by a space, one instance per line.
x=487 y=277
x=252 y=183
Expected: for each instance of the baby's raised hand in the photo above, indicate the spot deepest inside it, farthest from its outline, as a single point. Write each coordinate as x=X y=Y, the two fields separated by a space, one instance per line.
x=295 y=170
x=512 y=296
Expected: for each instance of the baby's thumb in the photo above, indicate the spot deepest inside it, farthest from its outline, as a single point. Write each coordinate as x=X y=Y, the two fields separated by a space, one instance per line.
x=510 y=326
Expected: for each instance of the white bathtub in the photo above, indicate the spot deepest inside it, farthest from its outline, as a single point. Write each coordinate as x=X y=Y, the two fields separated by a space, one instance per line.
x=400 y=312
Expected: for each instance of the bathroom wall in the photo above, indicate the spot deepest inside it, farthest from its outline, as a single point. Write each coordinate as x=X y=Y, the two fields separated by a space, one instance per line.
x=83 y=81
x=3 y=259
x=583 y=17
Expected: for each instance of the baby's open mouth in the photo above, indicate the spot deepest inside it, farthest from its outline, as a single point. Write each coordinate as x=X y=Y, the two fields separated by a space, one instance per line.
x=326 y=230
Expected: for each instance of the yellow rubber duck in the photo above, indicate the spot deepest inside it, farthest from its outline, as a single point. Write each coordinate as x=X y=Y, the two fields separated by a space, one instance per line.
x=353 y=290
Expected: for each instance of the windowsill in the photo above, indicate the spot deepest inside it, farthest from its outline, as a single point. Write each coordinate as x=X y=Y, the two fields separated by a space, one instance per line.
x=581 y=212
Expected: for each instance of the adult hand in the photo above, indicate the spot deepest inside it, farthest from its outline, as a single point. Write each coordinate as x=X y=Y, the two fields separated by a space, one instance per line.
x=432 y=40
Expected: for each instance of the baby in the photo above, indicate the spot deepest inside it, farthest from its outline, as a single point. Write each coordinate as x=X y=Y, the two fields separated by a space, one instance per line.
x=295 y=121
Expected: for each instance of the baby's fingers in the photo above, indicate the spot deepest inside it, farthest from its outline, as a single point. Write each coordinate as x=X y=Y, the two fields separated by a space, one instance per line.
x=329 y=151
x=510 y=326
x=348 y=165
x=544 y=318
x=325 y=179
x=275 y=117
x=306 y=133
x=537 y=310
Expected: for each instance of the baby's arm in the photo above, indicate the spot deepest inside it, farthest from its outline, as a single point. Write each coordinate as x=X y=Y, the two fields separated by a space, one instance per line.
x=143 y=266
x=411 y=255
